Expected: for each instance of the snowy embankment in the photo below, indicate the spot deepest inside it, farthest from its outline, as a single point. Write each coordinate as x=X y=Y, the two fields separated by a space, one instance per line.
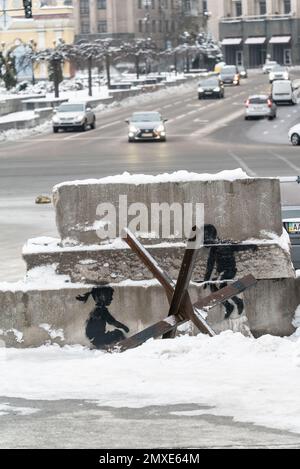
x=14 y=134
x=255 y=381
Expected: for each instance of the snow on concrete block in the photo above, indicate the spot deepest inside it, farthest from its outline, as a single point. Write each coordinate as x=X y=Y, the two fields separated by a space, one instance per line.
x=238 y=206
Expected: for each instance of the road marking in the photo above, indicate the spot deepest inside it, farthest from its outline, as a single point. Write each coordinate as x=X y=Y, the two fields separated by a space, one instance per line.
x=219 y=123
x=167 y=105
x=201 y=121
x=286 y=161
x=177 y=102
x=242 y=163
x=110 y=124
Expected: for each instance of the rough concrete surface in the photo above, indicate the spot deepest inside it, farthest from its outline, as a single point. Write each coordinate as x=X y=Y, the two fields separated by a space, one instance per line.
x=233 y=207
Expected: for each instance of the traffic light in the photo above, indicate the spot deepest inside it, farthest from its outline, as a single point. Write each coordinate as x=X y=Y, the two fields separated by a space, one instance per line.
x=27 y=4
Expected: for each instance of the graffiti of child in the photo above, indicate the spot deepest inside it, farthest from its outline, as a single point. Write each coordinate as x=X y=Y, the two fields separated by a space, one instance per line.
x=222 y=259
x=100 y=317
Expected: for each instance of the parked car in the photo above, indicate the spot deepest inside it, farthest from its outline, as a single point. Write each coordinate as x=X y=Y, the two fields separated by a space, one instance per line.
x=269 y=65
x=242 y=71
x=290 y=196
x=146 y=126
x=278 y=73
x=283 y=91
x=260 y=106
x=73 y=115
x=230 y=75
x=294 y=135
x=211 y=88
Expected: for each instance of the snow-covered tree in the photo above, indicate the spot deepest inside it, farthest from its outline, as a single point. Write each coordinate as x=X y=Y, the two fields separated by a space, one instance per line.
x=7 y=68
x=141 y=50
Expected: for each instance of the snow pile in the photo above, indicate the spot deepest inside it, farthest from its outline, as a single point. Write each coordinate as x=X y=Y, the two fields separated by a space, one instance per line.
x=42 y=278
x=18 y=116
x=17 y=134
x=250 y=380
x=178 y=176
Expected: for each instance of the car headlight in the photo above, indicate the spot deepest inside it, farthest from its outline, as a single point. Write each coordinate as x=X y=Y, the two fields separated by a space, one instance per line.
x=133 y=129
x=79 y=118
x=160 y=128
x=286 y=76
x=200 y=90
x=55 y=119
x=271 y=76
x=217 y=89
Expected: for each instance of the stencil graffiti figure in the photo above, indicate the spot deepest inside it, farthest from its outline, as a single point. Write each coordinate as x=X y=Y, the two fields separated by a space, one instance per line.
x=222 y=259
x=100 y=317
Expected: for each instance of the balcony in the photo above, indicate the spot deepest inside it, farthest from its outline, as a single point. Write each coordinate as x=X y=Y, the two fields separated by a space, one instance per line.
x=239 y=19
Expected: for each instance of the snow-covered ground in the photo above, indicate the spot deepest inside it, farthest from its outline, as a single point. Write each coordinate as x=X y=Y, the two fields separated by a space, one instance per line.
x=255 y=381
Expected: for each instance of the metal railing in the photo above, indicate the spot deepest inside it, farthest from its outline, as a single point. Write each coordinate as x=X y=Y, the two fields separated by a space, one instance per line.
x=230 y=19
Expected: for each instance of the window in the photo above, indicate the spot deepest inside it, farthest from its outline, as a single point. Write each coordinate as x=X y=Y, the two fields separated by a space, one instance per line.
x=84 y=7
x=287 y=7
x=102 y=26
x=140 y=4
x=160 y=26
x=167 y=25
x=101 y=4
x=238 y=9
x=262 y=7
x=85 y=28
x=140 y=26
x=153 y=26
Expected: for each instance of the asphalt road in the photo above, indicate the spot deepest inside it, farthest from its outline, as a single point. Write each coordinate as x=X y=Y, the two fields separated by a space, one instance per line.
x=203 y=136
x=81 y=424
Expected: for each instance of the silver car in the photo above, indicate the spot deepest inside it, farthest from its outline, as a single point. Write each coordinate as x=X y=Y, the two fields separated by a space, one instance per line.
x=73 y=116
x=146 y=126
x=260 y=106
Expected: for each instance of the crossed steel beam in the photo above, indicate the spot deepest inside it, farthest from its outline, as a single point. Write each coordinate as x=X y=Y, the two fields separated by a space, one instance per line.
x=181 y=308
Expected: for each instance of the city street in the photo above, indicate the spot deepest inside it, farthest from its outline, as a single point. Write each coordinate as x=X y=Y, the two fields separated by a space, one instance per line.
x=203 y=136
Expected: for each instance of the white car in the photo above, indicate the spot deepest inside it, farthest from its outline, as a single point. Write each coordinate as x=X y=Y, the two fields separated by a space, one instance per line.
x=73 y=115
x=294 y=135
x=278 y=73
x=268 y=66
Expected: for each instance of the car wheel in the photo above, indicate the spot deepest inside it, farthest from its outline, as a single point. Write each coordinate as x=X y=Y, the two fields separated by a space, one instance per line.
x=93 y=124
x=295 y=139
x=271 y=118
x=55 y=130
x=163 y=139
x=83 y=127
x=130 y=140
x=199 y=97
x=246 y=118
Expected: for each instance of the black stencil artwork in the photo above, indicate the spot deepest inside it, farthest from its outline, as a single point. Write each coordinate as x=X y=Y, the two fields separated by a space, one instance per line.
x=221 y=259
x=100 y=317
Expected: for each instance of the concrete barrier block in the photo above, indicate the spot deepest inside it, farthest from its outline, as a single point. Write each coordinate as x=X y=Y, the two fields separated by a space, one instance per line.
x=264 y=260
x=232 y=206
x=34 y=317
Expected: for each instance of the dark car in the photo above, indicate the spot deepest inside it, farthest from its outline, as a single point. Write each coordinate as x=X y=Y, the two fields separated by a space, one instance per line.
x=211 y=88
x=230 y=75
x=290 y=197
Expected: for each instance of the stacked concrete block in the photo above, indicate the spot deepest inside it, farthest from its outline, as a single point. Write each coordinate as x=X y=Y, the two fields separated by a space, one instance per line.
x=246 y=215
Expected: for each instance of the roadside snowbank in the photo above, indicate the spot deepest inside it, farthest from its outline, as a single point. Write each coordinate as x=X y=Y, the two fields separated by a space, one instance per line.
x=17 y=134
x=251 y=380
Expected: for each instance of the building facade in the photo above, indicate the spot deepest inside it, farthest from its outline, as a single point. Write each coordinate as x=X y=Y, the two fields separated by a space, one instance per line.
x=162 y=20
x=253 y=30
x=52 y=22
